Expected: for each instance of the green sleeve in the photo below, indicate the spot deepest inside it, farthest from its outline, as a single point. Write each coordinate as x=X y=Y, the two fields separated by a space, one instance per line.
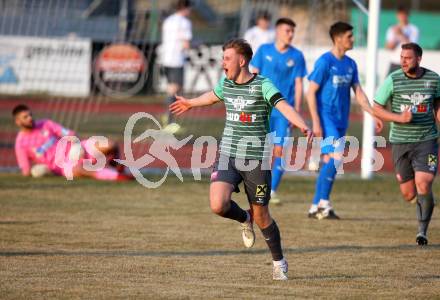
x=384 y=92
x=270 y=93
x=437 y=93
x=218 y=89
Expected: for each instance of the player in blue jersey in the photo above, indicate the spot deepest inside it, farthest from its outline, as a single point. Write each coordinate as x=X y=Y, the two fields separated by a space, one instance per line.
x=285 y=66
x=329 y=103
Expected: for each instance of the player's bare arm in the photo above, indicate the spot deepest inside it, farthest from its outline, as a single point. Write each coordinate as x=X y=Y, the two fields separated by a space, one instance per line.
x=388 y=116
x=313 y=108
x=298 y=93
x=294 y=117
x=183 y=104
x=437 y=109
x=362 y=100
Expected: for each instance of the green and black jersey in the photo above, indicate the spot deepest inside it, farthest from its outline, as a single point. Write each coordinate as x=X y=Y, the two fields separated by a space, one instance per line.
x=418 y=95
x=248 y=108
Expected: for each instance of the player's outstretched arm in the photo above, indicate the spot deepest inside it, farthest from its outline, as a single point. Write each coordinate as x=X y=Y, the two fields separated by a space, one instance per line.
x=294 y=117
x=313 y=108
x=386 y=115
x=183 y=104
x=362 y=100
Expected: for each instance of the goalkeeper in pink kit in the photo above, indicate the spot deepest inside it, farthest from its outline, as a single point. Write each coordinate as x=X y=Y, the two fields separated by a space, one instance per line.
x=36 y=143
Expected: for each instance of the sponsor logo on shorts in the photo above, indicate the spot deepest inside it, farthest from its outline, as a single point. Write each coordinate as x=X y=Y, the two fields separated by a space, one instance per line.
x=261 y=190
x=432 y=162
x=260 y=201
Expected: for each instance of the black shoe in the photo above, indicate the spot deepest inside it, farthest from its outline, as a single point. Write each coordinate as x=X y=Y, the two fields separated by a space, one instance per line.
x=327 y=213
x=313 y=215
x=421 y=239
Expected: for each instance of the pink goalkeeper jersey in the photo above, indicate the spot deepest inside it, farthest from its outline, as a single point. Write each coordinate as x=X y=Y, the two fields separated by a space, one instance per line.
x=39 y=145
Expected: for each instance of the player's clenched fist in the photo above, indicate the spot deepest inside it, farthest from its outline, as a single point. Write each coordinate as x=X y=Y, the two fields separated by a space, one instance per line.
x=405 y=116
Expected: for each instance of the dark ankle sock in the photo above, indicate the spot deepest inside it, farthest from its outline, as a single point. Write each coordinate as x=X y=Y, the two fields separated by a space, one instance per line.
x=236 y=213
x=425 y=207
x=273 y=239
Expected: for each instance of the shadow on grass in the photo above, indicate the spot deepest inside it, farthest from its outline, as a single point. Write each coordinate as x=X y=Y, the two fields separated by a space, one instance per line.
x=342 y=248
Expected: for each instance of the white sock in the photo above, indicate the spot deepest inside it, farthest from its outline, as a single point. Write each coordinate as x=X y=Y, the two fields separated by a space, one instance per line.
x=313 y=208
x=272 y=192
x=324 y=203
x=279 y=262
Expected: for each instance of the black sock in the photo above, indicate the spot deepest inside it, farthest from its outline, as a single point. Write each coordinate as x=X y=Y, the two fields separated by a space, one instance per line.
x=425 y=207
x=170 y=100
x=235 y=212
x=273 y=239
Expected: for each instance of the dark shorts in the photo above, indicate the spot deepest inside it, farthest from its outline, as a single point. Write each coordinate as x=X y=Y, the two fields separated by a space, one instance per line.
x=256 y=182
x=174 y=75
x=415 y=157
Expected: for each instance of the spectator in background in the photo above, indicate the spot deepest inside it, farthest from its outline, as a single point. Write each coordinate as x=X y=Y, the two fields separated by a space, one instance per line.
x=261 y=33
x=176 y=38
x=401 y=33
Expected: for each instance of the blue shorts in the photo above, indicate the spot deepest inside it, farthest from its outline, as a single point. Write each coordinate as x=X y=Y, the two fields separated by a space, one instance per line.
x=280 y=126
x=333 y=137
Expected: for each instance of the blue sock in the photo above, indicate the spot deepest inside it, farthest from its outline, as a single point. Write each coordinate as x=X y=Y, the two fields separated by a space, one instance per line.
x=324 y=182
x=327 y=176
x=317 y=196
x=277 y=172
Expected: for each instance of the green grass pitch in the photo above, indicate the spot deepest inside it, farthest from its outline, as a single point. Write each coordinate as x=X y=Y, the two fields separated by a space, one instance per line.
x=89 y=239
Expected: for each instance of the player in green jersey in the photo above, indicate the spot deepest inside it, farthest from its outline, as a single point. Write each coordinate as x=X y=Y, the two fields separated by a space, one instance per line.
x=248 y=99
x=413 y=93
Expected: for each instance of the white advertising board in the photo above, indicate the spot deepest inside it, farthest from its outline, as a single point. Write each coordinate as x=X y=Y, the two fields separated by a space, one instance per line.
x=45 y=65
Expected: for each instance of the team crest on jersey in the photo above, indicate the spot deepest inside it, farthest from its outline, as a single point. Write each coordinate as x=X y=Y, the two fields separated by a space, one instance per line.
x=239 y=103
x=432 y=162
x=252 y=89
x=290 y=63
x=416 y=98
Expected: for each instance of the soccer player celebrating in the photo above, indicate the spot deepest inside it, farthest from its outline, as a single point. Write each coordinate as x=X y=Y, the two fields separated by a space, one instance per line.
x=285 y=66
x=36 y=144
x=248 y=99
x=414 y=96
x=329 y=103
